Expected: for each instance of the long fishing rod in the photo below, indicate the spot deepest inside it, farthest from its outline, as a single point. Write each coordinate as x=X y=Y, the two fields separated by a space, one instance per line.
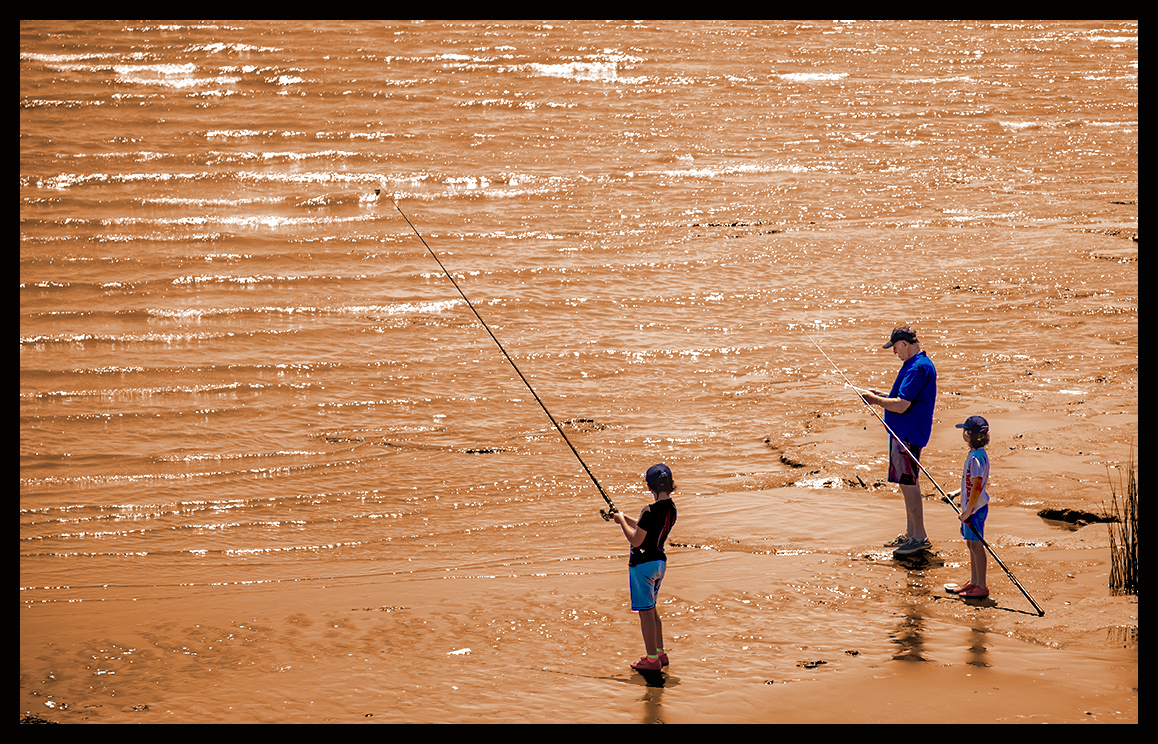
x=944 y=496
x=605 y=513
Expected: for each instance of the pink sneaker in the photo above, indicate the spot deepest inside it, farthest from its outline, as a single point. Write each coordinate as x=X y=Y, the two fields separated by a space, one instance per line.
x=647 y=665
x=663 y=659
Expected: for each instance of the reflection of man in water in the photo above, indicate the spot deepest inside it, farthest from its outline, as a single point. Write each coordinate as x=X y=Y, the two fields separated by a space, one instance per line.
x=909 y=414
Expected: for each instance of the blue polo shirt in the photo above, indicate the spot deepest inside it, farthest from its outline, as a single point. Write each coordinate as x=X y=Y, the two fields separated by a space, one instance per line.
x=916 y=383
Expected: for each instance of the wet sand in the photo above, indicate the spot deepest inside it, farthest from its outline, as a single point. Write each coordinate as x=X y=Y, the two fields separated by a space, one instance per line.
x=884 y=646
x=764 y=623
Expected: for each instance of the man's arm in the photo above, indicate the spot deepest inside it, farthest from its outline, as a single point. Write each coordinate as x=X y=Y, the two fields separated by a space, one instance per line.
x=895 y=405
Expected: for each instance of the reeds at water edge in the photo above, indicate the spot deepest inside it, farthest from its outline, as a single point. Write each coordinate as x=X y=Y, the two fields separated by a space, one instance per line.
x=1124 y=537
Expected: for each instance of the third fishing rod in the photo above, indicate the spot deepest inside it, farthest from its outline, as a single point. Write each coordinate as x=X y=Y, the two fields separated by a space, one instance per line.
x=944 y=495
x=605 y=513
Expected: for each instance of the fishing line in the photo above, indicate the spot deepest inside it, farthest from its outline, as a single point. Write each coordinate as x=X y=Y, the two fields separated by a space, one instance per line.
x=944 y=496
x=605 y=513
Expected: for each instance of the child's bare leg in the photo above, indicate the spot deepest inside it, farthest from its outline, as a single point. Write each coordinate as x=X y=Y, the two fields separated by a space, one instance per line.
x=652 y=628
x=977 y=562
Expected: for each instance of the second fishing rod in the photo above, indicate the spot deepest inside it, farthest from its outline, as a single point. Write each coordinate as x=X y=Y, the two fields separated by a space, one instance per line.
x=605 y=513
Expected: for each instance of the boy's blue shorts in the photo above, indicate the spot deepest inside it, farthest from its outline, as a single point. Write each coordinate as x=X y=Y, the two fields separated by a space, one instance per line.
x=645 y=580
x=977 y=519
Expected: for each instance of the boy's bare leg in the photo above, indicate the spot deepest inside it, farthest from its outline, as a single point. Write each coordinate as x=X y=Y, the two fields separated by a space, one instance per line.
x=652 y=628
x=977 y=554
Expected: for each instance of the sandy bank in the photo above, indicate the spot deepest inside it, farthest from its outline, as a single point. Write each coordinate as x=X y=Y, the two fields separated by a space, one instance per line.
x=761 y=629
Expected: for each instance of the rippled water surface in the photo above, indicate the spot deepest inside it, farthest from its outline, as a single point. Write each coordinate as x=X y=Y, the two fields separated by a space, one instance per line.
x=241 y=370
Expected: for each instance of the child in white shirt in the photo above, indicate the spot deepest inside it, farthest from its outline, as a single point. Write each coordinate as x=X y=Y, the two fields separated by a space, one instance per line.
x=975 y=504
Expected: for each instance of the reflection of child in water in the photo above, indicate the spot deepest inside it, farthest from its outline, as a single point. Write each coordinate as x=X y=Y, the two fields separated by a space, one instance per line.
x=648 y=562
x=975 y=504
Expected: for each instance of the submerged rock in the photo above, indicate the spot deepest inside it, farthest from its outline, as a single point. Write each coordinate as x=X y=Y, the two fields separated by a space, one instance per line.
x=1073 y=516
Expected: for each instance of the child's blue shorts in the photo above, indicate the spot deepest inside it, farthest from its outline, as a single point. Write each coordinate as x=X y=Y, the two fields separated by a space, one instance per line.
x=645 y=580
x=977 y=519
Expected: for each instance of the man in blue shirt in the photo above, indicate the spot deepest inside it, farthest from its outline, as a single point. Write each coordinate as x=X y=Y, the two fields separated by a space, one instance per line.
x=909 y=414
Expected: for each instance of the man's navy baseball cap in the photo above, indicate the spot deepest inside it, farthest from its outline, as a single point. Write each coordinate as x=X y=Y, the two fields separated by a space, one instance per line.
x=974 y=424
x=659 y=478
x=901 y=333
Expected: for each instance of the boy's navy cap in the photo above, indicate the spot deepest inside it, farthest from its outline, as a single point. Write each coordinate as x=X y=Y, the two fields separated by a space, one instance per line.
x=974 y=424
x=901 y=333
x=659 y=477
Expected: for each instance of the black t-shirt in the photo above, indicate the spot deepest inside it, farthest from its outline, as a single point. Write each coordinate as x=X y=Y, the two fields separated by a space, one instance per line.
x=656 y=520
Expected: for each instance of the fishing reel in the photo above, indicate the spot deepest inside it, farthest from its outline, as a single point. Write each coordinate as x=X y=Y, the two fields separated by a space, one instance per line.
x=606 y=513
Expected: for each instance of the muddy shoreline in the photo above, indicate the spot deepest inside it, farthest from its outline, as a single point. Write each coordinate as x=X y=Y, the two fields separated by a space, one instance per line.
x=758 y=637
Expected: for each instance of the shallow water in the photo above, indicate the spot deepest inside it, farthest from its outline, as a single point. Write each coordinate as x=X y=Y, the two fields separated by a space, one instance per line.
x=505 y=640
x=244 y=378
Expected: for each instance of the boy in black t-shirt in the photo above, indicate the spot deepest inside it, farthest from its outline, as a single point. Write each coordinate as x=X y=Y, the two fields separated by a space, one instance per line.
x=648 y=562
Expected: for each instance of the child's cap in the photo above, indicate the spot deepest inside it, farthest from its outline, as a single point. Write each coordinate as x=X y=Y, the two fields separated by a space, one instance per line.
x=974 y=424
x=659 y=478
x=901 y=333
